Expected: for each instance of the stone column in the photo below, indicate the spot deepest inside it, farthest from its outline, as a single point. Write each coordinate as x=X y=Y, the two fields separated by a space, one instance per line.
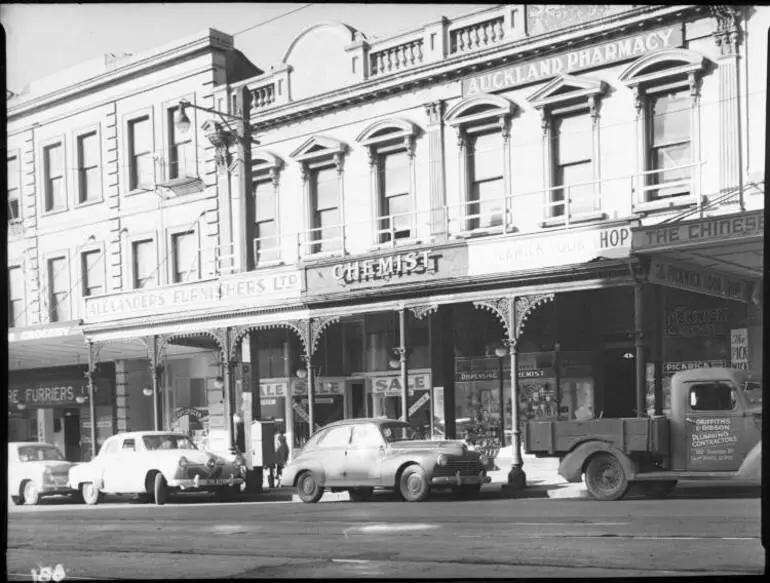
x=435 y=112
x=727 y=38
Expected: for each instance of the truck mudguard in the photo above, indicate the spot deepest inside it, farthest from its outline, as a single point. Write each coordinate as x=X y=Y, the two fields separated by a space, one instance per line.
x=751 y=468
x=571 y=467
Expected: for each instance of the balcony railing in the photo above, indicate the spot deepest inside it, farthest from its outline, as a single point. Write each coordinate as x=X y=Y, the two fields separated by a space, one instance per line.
x=526 y=212
x=479 y=35
x=668 y=187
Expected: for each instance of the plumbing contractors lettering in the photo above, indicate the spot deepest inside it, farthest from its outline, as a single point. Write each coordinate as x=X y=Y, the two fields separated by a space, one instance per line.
x=570 y=62
x=713 y=443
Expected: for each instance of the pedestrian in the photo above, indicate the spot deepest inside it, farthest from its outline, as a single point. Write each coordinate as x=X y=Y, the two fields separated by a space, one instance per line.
x=281 y=453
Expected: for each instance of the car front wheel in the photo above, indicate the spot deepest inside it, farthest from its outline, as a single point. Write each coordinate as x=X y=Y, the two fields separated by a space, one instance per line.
x=160 y=489
x=413 y=484
x=31 y=493
x=90 y=493
x=308 y=489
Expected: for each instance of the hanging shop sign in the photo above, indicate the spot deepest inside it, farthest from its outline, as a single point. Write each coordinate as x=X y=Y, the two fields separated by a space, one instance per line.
x=394 y=268
x=240 y=290
x=487 y=257
x=191 y=411
x=390 y=384
x=600 y=55
x=697 y=279
x=44 y=332
x=59 y=391
x=711 y=230
x=739 y=348
x=689 y=323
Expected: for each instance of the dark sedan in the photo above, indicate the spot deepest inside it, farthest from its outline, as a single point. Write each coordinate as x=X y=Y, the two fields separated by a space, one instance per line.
x=360 y=454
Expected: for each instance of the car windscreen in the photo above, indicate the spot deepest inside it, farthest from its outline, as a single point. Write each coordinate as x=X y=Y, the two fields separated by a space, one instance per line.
x=153 y=442
x=35 y=453
x=753 y=392
x=399 y=432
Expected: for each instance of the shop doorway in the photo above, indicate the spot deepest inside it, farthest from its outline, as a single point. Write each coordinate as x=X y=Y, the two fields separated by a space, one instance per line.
x=619 y=394
x=72 y=435
x=357 y=400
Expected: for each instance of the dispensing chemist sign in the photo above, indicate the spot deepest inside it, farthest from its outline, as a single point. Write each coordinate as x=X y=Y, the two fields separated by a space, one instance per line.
x=589 y=58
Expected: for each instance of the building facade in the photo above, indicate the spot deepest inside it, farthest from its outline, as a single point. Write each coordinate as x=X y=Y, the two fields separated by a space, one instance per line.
x=567 y=199
x=105 y=196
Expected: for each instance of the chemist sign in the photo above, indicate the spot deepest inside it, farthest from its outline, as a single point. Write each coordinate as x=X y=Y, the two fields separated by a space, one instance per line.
x=599 y=55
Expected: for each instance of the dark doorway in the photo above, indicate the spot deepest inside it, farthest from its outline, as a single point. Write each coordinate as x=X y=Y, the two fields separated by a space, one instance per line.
x=619 y=383
x=72 y=435
x=357 y=408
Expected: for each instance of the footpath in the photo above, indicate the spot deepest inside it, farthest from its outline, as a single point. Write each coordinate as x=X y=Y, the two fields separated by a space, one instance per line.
x=542 y=481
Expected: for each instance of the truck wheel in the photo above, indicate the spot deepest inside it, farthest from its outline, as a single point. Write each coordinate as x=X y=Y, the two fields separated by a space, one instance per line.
x=658 y=489
x=360 y=494
x=605 y=477
x=413 y=484
x=308 y=489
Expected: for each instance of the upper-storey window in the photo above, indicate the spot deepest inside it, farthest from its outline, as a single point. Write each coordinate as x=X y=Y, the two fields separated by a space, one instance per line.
x=14 y=189
x=145 y=264
x=666 y=88
x=15 y=296
x=391 y=147
x=322 y=161
x=483 y=130
x=569 y=110
x=92 y=272
x=181 y=153
x=53 y=168
x=265 y=170
x=670 y=142
x=58 y=289
x=89 y=171
x=141 y=163
x=184 y=247
x=485 y=177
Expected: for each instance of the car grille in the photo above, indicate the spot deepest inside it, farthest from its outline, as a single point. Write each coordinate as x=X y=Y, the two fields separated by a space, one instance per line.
x=203 y=473
x=466 y=467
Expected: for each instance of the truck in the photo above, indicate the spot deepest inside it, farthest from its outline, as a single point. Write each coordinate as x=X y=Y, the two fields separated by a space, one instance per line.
x=713 y=431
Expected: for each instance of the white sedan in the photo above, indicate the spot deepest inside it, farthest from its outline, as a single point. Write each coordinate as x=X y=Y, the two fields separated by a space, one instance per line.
x=155 y=463
x=35 y=470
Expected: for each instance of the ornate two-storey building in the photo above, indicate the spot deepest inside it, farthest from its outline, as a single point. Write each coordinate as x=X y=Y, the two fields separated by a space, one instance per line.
x=567 y=196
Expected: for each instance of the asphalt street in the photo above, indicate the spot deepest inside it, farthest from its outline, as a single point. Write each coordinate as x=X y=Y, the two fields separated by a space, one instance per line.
x=196 y=537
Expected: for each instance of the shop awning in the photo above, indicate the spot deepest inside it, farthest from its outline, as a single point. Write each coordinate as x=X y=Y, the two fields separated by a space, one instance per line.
x=728 y=244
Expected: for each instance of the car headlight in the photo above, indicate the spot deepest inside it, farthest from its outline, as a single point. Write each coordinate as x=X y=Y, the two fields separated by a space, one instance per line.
x=442 y=460
x=47 y=475
x=483 y=459
x=183 y=463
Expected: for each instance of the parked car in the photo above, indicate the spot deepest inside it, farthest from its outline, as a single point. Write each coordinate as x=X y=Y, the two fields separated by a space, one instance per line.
x=154 y=464
x=35 y=470
x=358 y=455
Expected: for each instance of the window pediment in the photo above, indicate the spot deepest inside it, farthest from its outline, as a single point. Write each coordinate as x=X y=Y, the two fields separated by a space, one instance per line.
x=479 y=108
x=387 y=130
x=264 y=160
x=567 y=88
x=318 y=147
x=662 y=65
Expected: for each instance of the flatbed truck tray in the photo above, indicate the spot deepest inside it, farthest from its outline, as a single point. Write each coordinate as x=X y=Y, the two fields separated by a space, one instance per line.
x=627 y=434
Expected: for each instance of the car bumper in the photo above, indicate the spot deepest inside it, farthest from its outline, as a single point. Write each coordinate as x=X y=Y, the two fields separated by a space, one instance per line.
x=460 y=480
x=205 y=484
x=62 y=488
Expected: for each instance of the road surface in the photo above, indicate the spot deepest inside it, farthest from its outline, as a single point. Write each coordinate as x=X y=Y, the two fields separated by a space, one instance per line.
x=199 y=538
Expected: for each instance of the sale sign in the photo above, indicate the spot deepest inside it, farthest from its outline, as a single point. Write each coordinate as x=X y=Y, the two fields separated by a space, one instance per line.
x=739 y=348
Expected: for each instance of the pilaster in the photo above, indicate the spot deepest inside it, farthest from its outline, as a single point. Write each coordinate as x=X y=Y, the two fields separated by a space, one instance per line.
x=435 y=131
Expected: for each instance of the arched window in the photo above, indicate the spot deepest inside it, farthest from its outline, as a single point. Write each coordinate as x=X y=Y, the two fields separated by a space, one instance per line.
x=390 y=144
x=483 y=132
x=569 y=109
x=263 y=208
x=321 y=161
x=666 y=95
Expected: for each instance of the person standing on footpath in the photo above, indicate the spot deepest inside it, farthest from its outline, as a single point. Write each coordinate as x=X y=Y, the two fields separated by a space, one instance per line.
x=281 y=454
